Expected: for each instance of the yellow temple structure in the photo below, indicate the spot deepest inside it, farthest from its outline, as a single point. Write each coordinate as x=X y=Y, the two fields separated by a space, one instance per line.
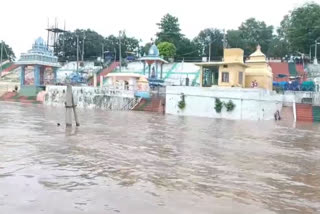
x=233 y=72
x=258 y=71
x=230 y=72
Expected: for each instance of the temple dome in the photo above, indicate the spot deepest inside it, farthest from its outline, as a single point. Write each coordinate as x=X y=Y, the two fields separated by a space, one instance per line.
x=39 y=42
x=257 y=56
x=153 y=51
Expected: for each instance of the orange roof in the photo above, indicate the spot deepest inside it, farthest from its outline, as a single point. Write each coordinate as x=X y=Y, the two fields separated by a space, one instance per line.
x=283 y=68
x=280 y=68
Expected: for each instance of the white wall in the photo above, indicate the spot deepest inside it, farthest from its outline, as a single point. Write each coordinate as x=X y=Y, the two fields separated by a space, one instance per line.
x=90 y=97
x=250 y=104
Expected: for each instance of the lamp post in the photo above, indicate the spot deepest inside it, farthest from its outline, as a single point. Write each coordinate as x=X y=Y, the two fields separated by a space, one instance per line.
x=77 y=53
x=121 y=33
x=209 y=41
x=315 y=51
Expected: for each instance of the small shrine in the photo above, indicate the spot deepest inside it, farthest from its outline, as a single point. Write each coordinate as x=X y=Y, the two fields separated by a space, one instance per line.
x=154 y=62
x=41 y=60
x=258 y=73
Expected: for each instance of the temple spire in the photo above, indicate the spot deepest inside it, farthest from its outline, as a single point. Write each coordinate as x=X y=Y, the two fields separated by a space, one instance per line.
x=258 y=48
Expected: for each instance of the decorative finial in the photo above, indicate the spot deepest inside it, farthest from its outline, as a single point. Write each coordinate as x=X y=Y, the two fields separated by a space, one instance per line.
x=259 y=47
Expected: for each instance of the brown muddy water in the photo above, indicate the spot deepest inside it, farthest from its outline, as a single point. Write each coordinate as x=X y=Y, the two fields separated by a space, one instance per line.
x=141 y=163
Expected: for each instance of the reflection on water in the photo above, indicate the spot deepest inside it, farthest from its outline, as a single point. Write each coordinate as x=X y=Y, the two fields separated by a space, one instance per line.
x=135 y=162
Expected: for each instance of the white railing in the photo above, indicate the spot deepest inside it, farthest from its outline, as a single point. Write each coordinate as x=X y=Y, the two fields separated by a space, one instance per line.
x=132 y=104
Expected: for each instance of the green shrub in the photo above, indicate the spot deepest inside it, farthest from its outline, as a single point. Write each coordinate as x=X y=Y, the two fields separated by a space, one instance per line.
x=182 y=103
x=218 y=106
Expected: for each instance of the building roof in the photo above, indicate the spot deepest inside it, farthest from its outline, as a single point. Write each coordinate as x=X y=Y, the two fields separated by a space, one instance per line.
x=153 y=51
x=153 y=55
x=211 y=64
x=281 y=71
x=152 y=58
x=124 y=75
x=257 y=56
x=40 y=54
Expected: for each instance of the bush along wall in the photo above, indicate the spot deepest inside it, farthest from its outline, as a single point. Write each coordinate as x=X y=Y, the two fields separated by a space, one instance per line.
x=219 y=105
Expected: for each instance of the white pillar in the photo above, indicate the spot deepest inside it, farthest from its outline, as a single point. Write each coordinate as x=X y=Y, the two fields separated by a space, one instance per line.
x=294 y=111
x=95 y=80
x=69 y=106
x=101 y=81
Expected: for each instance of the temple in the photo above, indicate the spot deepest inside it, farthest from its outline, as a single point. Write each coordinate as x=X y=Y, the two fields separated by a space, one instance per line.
x=233 y=72
x=154 y=61
x=258 y=71
x=44 y=65
x=228 y=73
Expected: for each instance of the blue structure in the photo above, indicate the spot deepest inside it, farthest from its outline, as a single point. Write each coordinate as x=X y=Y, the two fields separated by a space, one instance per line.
x=40 y=58
x=295 y=86
x=153 y=60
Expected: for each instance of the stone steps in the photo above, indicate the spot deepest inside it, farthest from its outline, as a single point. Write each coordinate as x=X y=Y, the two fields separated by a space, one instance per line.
x=152 y=105
x=304 y=112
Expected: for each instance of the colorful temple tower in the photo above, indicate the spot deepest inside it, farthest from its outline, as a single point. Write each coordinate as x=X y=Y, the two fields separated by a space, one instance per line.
x=43 y=62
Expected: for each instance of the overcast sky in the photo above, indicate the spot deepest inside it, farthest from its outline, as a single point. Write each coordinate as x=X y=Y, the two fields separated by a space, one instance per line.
x=22 y=21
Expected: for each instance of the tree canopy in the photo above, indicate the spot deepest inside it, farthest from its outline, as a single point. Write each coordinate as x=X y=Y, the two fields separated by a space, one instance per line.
x=250 y=34
x=301 y=27
x=167 y=49
x=210 y=36
x=7 y=53
x=169 y=30
x=94 y=44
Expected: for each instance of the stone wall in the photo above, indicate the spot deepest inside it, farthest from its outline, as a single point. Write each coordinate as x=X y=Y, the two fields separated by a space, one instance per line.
x=91 y=97
x=250 y=104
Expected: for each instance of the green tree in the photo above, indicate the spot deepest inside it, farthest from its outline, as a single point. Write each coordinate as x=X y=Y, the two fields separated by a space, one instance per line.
x=93 y=45
x=188 y=50
x=7 y=52
x=128 y=44
x=169 y=30
x=67 y=45
x=167 y=49
x=210 y=36
x=249 y=35
x=255 y=32
x=301 y=27
x=234 y=39
x=278 y=47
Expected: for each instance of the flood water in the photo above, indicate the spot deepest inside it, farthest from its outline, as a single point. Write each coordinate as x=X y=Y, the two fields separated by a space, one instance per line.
x=142 y=163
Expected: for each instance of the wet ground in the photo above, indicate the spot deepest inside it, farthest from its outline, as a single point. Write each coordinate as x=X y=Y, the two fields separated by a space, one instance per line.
x=141 y=163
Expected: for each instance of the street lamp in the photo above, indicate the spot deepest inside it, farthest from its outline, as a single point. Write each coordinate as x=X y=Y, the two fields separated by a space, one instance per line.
x=121 y=34
x=315 y=51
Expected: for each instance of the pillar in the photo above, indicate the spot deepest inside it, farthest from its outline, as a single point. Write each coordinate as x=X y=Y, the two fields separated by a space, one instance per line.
x=22 y=75
x=144 y=67
x=55 y=75
x=161 y=71
x=95 y=80
x=42 y=70
x=37 y=75
x=201 y=76
x=101 y=81
x=149 y=71
x=156 y=70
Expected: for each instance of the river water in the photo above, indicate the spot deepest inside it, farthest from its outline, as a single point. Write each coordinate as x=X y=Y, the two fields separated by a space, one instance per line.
x=142 y=163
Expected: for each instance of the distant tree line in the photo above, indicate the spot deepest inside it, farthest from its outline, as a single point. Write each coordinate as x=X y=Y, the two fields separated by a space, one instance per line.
x=297 y=33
